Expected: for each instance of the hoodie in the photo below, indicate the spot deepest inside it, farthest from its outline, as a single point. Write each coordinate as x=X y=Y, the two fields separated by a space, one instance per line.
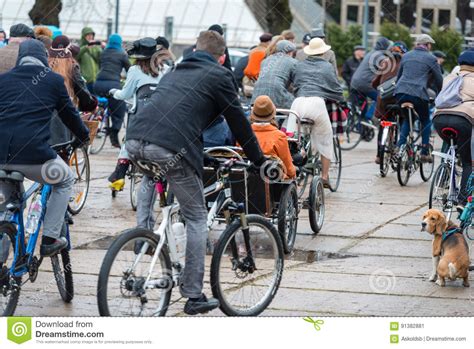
x=115 y=42
x=24 y=125
x=365 y=73
x=88 y=57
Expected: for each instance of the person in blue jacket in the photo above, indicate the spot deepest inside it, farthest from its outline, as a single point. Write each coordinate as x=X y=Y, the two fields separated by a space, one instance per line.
x=31 y=92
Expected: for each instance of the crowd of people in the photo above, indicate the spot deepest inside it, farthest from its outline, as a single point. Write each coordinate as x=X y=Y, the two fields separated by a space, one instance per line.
x=46 y=81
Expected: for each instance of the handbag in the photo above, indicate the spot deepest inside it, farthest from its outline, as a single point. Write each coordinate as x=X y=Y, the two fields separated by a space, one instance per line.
x=387 y=88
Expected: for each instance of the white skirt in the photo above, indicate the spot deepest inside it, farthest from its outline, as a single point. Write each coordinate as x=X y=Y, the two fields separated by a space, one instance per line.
x=314 y=108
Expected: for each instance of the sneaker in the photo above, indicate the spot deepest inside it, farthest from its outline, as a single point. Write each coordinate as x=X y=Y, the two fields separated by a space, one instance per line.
x=50 y=249
x=200 y=305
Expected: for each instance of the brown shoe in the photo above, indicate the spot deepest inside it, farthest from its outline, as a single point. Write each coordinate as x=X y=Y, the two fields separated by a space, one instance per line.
x=326 y=183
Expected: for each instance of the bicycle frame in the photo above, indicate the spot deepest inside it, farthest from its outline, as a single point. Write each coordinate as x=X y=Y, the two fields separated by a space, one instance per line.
x=450 y=157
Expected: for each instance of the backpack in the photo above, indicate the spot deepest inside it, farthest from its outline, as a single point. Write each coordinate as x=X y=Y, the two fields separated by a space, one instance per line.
x=450 y=95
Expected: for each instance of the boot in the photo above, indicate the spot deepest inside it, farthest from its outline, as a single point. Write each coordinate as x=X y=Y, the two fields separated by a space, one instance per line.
x=113 y=134
x=119 y=172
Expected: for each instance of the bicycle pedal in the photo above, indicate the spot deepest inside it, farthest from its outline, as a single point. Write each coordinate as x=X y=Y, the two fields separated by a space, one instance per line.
x=118 y=185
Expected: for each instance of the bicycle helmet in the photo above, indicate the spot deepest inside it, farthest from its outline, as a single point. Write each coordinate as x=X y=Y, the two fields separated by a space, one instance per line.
x=399 y=47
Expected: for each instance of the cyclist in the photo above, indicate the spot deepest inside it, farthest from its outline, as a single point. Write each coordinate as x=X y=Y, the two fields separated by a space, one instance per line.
x=112 y=61
x=461 y=118
x=9 y=53
x=24 y=133
x=417 y=68
x=388 y=70
x=361 y=83
x=315 y=81
x=149 y=68
x=168 y=131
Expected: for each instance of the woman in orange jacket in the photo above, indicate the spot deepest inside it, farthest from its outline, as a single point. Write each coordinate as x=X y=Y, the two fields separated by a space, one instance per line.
x=272 y=141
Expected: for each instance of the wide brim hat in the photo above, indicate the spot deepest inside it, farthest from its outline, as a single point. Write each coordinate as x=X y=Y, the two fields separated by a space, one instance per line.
x=316 y=46
x=143 y=48
x=263 y=109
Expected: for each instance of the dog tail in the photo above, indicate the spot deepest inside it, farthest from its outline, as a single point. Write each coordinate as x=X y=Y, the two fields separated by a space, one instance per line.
x=453 y=272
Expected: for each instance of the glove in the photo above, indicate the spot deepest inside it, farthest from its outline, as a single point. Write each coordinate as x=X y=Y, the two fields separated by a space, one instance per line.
x=210 y=161
x=77 y=143
x=112 y=91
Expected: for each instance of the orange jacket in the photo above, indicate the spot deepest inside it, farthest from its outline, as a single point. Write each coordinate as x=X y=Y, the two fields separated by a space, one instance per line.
x=274 y=143
x=256 y=56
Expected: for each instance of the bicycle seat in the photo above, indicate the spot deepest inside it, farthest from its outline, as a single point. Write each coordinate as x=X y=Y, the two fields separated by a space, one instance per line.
x=408 y=105
x=103 y=102
x=14 y=176
x=449 y=133
x=392 y=107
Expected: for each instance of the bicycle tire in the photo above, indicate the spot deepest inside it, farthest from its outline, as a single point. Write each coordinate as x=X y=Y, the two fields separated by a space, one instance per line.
x=288 y=228
x=442 y=176
x=316 y=206
x=126 y=237
x=427 y=168
x=135 y=180
x=76 y=210
x=385 y=155
x=353 y=132
x=62 y=270
x=336 y=165
x=403 y=166
x=220 y=251
x=10 y=231
x=101 y=136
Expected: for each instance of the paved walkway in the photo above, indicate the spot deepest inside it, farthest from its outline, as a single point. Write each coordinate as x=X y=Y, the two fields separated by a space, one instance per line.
x=370 y=258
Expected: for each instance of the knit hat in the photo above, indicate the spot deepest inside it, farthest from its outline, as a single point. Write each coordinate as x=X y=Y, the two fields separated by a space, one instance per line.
x=162 y=41
x=306 y=38
x=424 y=39
x=466 y=58
x=21 y=31
x=318 y=33
x=316 y=46
x=61 y=47
x=263 y=109
x=266 y=37
x=115 y=41
x=285 y=46
x=217 y=28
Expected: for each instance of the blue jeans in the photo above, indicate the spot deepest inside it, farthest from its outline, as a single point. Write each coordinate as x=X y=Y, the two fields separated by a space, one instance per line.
x=218 y=134
x=358 y=97
x=423 y=111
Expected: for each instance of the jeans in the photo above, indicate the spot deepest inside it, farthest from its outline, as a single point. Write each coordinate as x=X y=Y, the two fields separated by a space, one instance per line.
x=463 y=141
x=117 y=108
x=218 y=134
x=60 y=176
x=187 y=187
x=423 y=110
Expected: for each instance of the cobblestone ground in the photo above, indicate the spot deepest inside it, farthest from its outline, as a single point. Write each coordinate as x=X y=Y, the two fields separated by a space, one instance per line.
x=370 y=258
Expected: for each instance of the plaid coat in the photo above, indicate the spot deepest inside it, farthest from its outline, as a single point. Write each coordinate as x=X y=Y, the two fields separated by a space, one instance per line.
x=276 y=78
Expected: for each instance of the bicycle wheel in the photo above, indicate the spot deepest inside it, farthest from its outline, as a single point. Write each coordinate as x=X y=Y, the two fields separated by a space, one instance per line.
x=102 y=133
x=335 y=168
x=288 y=217
x=403 y=166
x=316 y=207
x=247 y=266
x=9 y=286
x=62 y=270
x=427 y=168
x=386 y=153
x=439 y=189
x=81 y=168
x=121 y=289
x=353 y=133
x=135 y=181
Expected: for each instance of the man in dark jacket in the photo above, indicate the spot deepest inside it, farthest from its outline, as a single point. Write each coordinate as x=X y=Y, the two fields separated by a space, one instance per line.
x=417 y=68
x=31 y=92
x=352 y=63
x=169 y=131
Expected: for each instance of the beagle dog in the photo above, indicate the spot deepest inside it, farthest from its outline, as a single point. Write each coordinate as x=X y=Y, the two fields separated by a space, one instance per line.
x=450 y=250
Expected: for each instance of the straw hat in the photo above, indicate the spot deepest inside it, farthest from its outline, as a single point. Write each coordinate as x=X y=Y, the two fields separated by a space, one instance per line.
x=263 y=109
x=316 y=46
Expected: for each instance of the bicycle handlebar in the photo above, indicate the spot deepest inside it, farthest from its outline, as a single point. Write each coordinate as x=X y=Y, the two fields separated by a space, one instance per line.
x=62 y=146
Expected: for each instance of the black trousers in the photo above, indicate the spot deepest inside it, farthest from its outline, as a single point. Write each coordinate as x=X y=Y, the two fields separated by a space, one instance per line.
x=117 y=108
x=463 y=142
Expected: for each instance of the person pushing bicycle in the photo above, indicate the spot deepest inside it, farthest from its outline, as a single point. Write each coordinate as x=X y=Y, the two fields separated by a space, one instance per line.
x=169 y=133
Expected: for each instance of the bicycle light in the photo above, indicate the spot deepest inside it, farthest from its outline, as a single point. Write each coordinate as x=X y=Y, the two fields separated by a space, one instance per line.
x=469 y=199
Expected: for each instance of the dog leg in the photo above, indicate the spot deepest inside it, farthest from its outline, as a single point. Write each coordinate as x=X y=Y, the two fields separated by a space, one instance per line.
x=441 y=282
x=434 y=274
x=465 y=281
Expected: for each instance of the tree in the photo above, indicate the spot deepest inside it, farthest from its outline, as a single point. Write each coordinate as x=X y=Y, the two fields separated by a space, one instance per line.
x=46 y=12
x=279 y=16
x=343 y=42
x=450 y=42
x=396 y=32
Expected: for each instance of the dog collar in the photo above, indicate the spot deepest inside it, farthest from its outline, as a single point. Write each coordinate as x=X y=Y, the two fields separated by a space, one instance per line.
x=450 y=232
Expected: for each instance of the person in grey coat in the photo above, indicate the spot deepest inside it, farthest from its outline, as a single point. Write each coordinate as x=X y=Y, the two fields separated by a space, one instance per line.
x=417 y=69
x=276 y=76
x=361 y=82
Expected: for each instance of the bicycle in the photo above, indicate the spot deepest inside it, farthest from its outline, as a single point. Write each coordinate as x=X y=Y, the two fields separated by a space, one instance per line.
x=102 y=114
x=390 y=127
x=466 y=215
x=409 y=154
x=444 y=189
x=78 y=160
x=249 y=251
x=358 y=127
x=18 y=244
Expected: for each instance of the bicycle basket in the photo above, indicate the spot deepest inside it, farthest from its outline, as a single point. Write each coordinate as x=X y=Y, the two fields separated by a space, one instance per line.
x=93 y=127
